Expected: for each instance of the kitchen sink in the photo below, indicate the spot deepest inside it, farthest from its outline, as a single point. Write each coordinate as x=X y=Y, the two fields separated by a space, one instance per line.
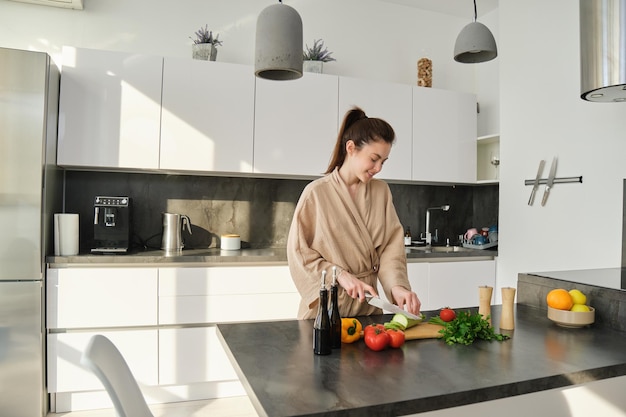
x=434 y=249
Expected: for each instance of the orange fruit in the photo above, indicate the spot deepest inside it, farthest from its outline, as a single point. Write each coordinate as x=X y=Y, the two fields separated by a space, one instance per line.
x=560 y=299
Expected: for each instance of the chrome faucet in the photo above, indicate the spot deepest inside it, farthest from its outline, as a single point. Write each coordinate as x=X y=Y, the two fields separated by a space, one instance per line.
x=429 y=237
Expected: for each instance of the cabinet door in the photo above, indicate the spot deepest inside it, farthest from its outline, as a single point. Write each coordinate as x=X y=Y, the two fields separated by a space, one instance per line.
x=192 y=355
x=208 y=116
x=226 y=294
x=455 y=284
x=390 y=102
x=295 y=125
x=444 y=136
x=65 y=373
x=109 y=109
x=418 y=278
x=101 y=297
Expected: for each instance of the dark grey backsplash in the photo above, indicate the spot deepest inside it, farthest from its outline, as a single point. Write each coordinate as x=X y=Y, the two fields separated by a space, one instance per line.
x=260 y=210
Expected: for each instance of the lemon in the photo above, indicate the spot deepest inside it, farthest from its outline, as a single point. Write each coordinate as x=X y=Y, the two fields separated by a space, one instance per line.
x=579 y=307
x=578 y=297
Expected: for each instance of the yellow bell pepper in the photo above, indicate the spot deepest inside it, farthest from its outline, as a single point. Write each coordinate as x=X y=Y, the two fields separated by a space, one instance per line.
x=350 y=330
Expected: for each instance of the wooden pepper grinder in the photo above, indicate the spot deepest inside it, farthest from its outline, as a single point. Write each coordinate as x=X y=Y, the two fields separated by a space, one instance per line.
x=484 y=302
x=507 y=322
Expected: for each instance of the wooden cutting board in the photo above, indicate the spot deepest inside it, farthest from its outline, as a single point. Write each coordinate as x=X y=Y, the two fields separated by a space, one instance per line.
x=423 y=331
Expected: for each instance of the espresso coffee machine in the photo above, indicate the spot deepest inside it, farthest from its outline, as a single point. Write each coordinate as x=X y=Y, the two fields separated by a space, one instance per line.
x=111 y=224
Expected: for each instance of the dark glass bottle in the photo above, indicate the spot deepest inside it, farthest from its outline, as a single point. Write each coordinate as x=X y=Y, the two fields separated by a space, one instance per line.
x=333 y=313
x=321 y=327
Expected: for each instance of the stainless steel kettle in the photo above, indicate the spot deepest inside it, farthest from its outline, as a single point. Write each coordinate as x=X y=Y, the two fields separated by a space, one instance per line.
x=173 y=226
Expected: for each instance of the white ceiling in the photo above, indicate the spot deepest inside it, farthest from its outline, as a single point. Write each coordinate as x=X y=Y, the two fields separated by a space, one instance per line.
x=459 y=8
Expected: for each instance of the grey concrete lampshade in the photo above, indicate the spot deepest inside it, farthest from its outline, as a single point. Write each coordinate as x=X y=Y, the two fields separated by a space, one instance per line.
x=278 y=51
x=475 y=44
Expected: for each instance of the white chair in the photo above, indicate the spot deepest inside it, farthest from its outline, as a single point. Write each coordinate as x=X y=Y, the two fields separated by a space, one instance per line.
x=107 y=363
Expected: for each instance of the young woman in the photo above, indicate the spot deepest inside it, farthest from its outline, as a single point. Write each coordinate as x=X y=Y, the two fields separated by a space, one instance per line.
x=347 y=219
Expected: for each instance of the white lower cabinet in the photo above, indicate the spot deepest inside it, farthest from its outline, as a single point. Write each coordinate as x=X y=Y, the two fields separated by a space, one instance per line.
x=418 y=278
x=66 y=374
x=192 y=296
x=101 y=297
x=449 y=284
x=163 y=322
x=192 y=355
x=226 y=294
x=455 y=284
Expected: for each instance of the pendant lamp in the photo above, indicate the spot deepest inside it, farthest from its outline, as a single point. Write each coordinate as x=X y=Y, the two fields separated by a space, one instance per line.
x=475 y=43
x=603 y=50
x=278 y=50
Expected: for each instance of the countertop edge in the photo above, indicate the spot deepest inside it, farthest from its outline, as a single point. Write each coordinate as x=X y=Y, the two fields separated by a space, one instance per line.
x=217 y=257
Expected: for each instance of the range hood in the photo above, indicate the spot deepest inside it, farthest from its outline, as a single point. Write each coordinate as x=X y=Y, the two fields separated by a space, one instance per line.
x=603 y=50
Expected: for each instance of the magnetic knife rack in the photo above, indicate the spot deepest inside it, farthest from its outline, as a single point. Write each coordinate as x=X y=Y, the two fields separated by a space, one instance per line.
x=563 y=180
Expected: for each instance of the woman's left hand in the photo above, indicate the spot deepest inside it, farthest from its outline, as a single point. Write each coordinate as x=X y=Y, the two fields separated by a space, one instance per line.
x=404 y=297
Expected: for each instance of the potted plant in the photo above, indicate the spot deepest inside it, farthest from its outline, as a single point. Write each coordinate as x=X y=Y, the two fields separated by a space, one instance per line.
x=204 y=45
x=315 y=56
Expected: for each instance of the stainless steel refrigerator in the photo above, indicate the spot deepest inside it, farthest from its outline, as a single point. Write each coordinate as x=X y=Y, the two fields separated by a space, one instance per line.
x=29 y=195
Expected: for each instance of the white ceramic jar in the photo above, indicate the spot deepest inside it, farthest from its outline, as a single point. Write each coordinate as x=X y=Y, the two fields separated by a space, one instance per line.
x=230 y=242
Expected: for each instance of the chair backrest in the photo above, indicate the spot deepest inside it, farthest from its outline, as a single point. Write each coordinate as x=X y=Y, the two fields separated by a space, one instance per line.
x=107 y=363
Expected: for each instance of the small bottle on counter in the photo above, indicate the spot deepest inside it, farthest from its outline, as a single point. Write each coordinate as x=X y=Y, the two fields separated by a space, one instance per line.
x=407 y=237
x=321 y=326
x=333 y=312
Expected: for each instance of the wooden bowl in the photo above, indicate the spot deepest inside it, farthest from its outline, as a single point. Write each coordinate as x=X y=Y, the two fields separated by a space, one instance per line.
x=567 y=318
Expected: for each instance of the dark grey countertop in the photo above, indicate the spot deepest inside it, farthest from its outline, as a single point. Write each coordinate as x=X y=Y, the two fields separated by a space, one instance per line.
x=216 y=256
x=283 y=377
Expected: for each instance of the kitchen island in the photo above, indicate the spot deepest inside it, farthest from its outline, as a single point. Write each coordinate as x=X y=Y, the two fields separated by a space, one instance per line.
x=282 y=376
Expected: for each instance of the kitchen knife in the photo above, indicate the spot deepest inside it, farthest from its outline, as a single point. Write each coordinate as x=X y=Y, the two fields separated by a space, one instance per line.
x=546 y=193
x=385 y=305
x=531 y=200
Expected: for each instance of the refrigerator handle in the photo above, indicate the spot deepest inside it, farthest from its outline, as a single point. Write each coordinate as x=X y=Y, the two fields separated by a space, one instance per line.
x=95 y=217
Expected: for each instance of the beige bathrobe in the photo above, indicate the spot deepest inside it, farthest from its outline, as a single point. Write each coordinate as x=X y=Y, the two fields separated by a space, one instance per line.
x=363 y=236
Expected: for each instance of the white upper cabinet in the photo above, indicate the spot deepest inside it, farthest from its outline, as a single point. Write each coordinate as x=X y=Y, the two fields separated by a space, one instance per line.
x=444 y=136
x=109 y=109
x=139 y=112
x=208 y=116
x=388 y=101
x=295 y=125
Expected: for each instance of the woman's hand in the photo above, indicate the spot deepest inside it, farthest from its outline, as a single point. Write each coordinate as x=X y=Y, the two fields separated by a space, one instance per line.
x=354 y=287
x=404 y=297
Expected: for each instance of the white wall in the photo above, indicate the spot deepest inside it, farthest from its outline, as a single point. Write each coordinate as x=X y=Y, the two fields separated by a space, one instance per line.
x=542 y=116
x=488 y=83
x=369 y=38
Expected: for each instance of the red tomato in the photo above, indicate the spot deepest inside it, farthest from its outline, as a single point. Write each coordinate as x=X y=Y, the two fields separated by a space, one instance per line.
x=372 y=327
x=377 y=339
x=447 y=314
x=396 y=338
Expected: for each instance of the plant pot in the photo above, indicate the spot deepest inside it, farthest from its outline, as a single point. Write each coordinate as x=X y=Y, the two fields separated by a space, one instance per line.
x=204 y=51
x=313 y=66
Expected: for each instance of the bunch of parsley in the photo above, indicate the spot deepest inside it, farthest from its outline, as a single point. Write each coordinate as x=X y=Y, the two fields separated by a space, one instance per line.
x=466 y=328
